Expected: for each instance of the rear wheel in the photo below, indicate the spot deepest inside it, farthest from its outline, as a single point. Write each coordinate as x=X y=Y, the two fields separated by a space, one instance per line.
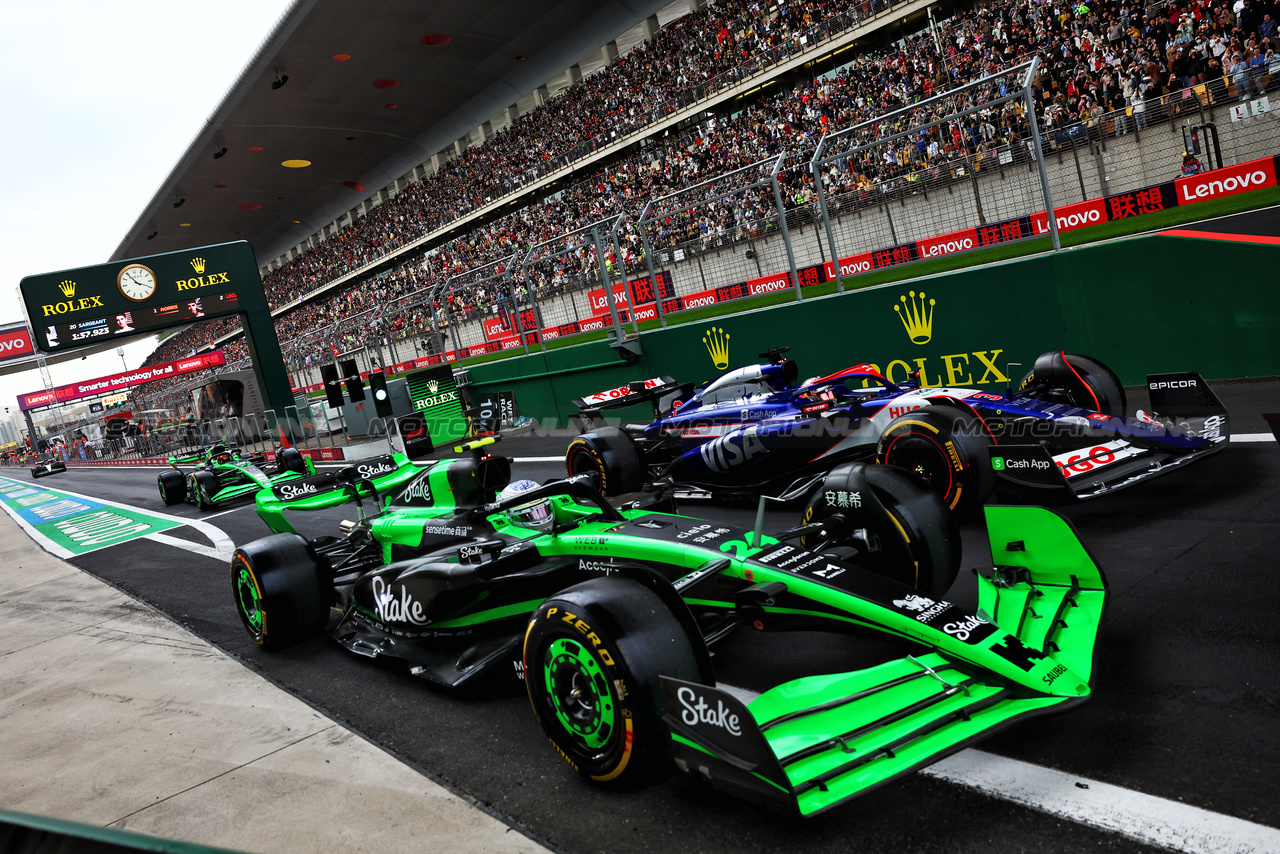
x=203 y=485
x=173 y=487
x=946 y=447
x=281 y=592
x=1079 y=381
x=592 y=657
x=611 y=455
x=910 y=536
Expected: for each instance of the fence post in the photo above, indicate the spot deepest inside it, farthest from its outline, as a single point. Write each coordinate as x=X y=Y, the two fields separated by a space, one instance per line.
x=1029 y=101
x=782 y=223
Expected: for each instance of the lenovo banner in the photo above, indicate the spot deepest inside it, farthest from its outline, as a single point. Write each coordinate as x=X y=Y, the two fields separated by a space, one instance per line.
x=115 y=382
x=600 y=303
x=1227 y=181
x=15 y=343
x=1071 y=217
x=947 y=244
x=768 y=284
x=496 y=328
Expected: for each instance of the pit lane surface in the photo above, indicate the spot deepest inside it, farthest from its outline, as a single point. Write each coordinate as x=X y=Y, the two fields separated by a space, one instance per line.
x=1185 y=707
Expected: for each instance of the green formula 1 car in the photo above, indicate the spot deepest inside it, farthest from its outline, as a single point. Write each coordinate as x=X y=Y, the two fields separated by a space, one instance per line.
x=608 y=611
x=220 y=473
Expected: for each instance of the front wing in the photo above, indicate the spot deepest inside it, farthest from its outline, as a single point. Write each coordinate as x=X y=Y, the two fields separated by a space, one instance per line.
x=813 y=743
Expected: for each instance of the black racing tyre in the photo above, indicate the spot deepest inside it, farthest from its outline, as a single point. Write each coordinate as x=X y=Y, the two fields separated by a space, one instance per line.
x=202 y=485
x=1083 y=382
x=945 y=446
x=173 y=487
x=36 y=473
x=290 y=459
x=612 y=455
x=592 y=657
x=917 y=539
x=281 y=591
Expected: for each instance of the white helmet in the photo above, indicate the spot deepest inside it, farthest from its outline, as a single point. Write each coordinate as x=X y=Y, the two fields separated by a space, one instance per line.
x=535 y=515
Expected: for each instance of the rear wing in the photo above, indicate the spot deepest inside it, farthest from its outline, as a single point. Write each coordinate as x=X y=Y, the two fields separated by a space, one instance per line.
x=637 y=391
x=364 y=479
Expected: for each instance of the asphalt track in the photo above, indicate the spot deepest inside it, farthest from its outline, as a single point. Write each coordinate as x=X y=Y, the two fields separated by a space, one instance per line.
x=1186 y=696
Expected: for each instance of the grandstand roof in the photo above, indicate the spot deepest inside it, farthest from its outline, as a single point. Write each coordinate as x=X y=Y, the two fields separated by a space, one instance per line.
x=335 y=114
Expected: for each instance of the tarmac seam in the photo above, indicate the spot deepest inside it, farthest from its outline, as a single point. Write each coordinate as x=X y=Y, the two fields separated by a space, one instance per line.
x=208 y=780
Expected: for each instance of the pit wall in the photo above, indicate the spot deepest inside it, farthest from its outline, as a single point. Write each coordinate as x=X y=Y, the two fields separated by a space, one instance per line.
x=1145 y=304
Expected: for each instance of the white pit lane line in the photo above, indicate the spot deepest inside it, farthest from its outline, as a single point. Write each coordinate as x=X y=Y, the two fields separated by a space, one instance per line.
x=222 y=549
x=1133 y=815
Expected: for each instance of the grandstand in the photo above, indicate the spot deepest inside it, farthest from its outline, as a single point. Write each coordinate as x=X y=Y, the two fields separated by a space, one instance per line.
x=703 y=92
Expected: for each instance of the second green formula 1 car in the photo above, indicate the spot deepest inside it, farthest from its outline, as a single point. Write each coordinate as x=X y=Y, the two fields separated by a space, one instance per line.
x=220 y=473
x=609 y=611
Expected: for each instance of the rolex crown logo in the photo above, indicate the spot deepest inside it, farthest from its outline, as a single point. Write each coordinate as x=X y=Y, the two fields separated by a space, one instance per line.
x=717 y=341
x=433 y=386
x=68 y=288
x=916 y=317
x=197 y=264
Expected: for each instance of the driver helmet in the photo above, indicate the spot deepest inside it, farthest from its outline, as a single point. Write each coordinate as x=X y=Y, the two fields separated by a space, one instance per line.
x=535 y=515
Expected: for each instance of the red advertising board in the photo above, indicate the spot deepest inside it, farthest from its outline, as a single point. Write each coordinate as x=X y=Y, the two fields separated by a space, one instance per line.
x=1071 y=217
x=600 y=304
x=15 y=343
x=947 y=244
x=699 y=299
x=852 y=265
x=496 y=328
x=1227 y=181
x=116 y=382
x=769 y=284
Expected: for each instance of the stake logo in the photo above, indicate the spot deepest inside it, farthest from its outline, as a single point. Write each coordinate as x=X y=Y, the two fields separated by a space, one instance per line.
x=695 y=710
x=916 y=318
x=717 y=341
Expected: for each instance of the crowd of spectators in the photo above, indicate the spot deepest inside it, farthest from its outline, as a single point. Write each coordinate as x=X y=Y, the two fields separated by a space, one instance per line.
x=1112 y=67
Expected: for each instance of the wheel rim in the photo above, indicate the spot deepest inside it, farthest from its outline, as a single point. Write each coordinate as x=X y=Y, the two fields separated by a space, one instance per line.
x=249 y=598
x=583 y=462
x=924 y=458
x=578 y=694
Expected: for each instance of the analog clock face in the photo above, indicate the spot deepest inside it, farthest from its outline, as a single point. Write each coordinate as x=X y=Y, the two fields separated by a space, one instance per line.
x=137 y=282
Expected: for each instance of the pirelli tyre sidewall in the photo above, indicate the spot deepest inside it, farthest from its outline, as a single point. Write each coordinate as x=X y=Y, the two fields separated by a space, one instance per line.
x=612 y=455
x=592 y=657
x=946 y=447
x=280 y=591
x=172 y=486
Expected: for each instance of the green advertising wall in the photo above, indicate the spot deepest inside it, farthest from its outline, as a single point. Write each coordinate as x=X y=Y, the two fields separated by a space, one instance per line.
x=1141 y=305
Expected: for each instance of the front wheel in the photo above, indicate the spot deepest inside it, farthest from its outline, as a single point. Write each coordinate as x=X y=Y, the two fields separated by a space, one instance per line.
x=1078 y=381
x=891 y=524
x=946 y=447
x=280 y=591
x=291 y=460
x=202 y=485
x=592 y=657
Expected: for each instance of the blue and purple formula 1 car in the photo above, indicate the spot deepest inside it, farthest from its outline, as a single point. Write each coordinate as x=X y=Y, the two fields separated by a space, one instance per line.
x=1062 y=434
